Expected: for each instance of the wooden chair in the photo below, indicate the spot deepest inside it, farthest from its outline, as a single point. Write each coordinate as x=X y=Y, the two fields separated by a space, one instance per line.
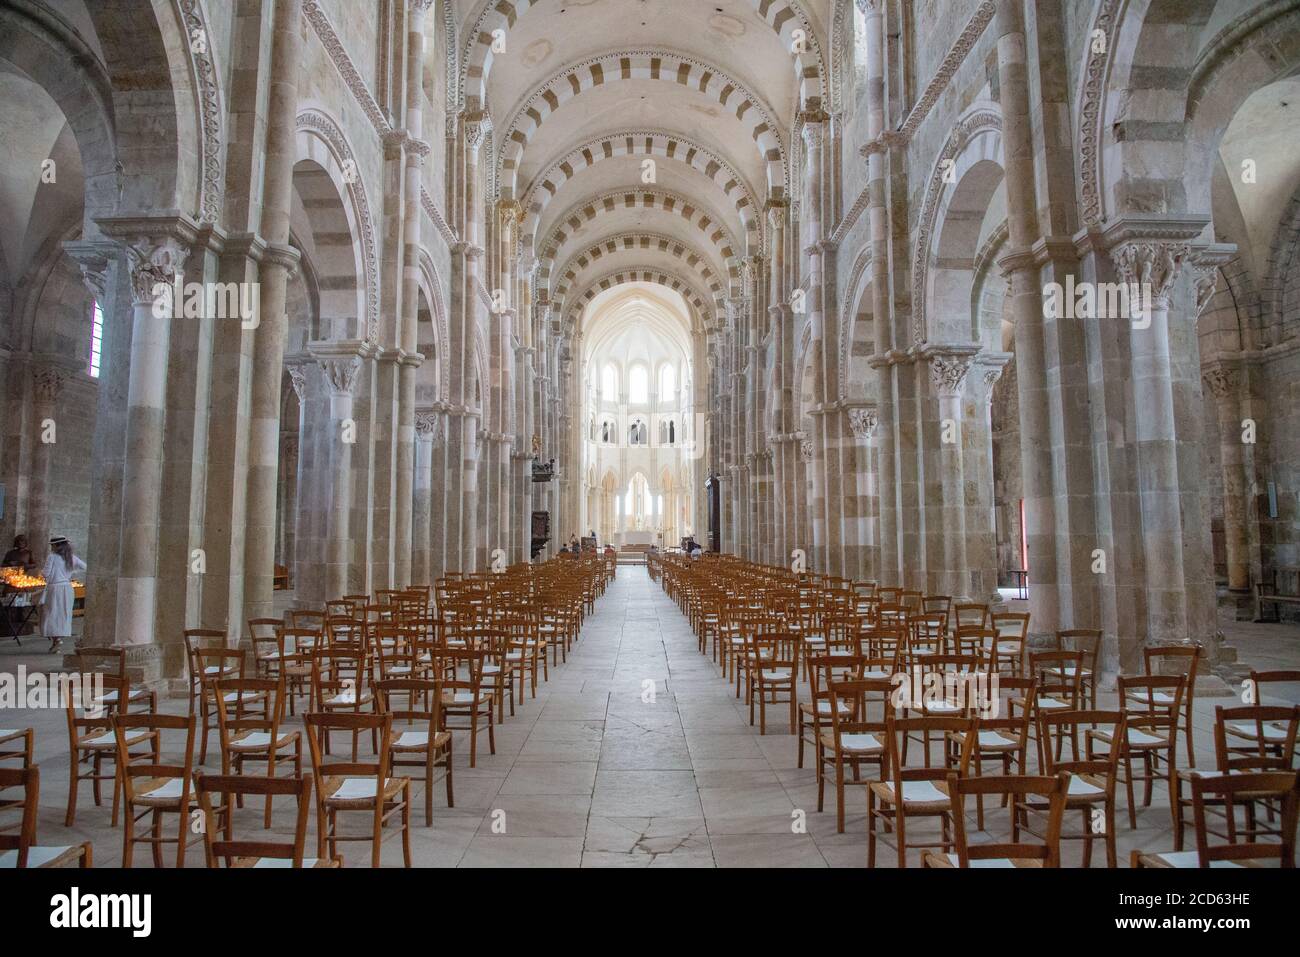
x=1094 y=771
x=219 y=844
x=112 y=661
x=1000 y=735
x=21 y=850
x=773 y=669
x=419 y=741
x=1226 y=791
x=16 y=744
x=1013 y=790
x=339 y=685
x=1180 y=660
x=465 y=696
x=1013 y=639
x=249 y=716
x=971 y=615
x=853 y=739
x=196 y=640
x=151 y=789
x=262 y=641
x=815 y=714
x=1087 y=642
x=345 y=786
x=904 y=792
x=1272 y=731
x=214 y=665
x=91 y=741
x=1151 y=705
x=1246 y=737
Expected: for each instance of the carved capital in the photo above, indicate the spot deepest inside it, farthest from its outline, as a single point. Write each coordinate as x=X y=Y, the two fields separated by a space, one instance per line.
x=949 y=373
x=1206 y=279
x=1222 y=382
x=426 y=426
x=340 y=373
x=806 y=450
x=1153 y=265
x=49 y=383
x=153 y=261
x=863 y=422
x=298 y=379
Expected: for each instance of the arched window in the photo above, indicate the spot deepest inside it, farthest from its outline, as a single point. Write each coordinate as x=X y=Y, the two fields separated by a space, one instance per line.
x=667 y=382
x=609 y=383
x=604 y=432
x=672 y=432
x=638 y=387
x=96 y=339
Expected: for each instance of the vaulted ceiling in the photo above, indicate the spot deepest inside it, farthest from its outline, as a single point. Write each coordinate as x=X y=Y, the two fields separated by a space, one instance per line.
x=583 y=92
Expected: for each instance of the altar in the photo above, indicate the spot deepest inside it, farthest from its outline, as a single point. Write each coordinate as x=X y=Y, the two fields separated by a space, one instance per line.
x=636 y=537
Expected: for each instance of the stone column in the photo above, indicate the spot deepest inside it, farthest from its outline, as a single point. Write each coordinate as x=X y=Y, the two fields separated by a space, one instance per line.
x=890 y=569
x=48 y=385
x=863 y=556
x=1155 y=266
x=1036 y=399
x=268 y=341
x=1225 y=382
x=981 y=513
x=426 y=430
x=947 y=537
x=156 y=253
x=340 y=363
x=288 y=510
x=297 y=519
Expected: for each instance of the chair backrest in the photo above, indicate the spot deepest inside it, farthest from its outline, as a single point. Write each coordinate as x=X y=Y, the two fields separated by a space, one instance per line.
x=971 y=615
x=1264 y=737
x=1058 y=673
x=1081 y=731
x=255 y=704
x=197 y=639
x=220 y=845
x=1234 y=790
x=29 y=780
x=1011 y=625
x=108 y=660
x=896 y=728
x=130 y=771
x=322 y=723
x=1017 y=789
x=1172 y=660
x=427 y=693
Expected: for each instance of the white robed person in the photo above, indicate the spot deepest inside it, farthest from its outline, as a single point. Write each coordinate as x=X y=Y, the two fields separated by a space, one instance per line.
x=60 y=567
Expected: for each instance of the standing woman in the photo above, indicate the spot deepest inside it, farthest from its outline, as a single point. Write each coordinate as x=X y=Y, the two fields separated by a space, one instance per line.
x=59 y=568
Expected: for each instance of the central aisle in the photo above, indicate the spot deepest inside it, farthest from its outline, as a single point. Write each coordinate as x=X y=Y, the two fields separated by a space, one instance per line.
x=599 y=771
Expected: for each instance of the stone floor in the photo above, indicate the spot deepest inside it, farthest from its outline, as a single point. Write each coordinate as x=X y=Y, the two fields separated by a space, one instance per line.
x=634 y=754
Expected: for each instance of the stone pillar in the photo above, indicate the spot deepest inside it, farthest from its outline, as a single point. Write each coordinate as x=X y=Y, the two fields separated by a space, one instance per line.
x=156 y=254
x=890 y=568
x=946 y=544
x=48 y=384
x=1225 y=382
x=981 y=511
x=1155 y=266
x=426 y=430
x=1036 y=398
x=268 y=340
x=863 y=554
x=340 y=362
x=288 y=511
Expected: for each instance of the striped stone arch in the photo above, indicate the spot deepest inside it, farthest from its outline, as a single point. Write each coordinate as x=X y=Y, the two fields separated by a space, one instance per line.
x=578 y=78
x=659 y=277
x=639 y=242
x=585 y=212
x=432 y=285
x=783 y=16
x=650 y=143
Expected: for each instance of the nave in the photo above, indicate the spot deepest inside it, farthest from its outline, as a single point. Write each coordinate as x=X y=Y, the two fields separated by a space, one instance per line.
x=635 y=752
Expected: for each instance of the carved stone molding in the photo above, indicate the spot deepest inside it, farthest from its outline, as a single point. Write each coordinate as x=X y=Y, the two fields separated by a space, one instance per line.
x=952 y=61
x=329 y=130
x=1206 y=279
x=315 y=15
x=1095 y=72
x=211 y=112
x=966 y=129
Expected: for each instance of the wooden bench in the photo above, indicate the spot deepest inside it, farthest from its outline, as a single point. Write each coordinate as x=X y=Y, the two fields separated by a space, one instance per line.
x=1281 y=588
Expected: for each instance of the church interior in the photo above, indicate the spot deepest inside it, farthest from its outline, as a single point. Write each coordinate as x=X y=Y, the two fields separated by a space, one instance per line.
x=649 y=433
